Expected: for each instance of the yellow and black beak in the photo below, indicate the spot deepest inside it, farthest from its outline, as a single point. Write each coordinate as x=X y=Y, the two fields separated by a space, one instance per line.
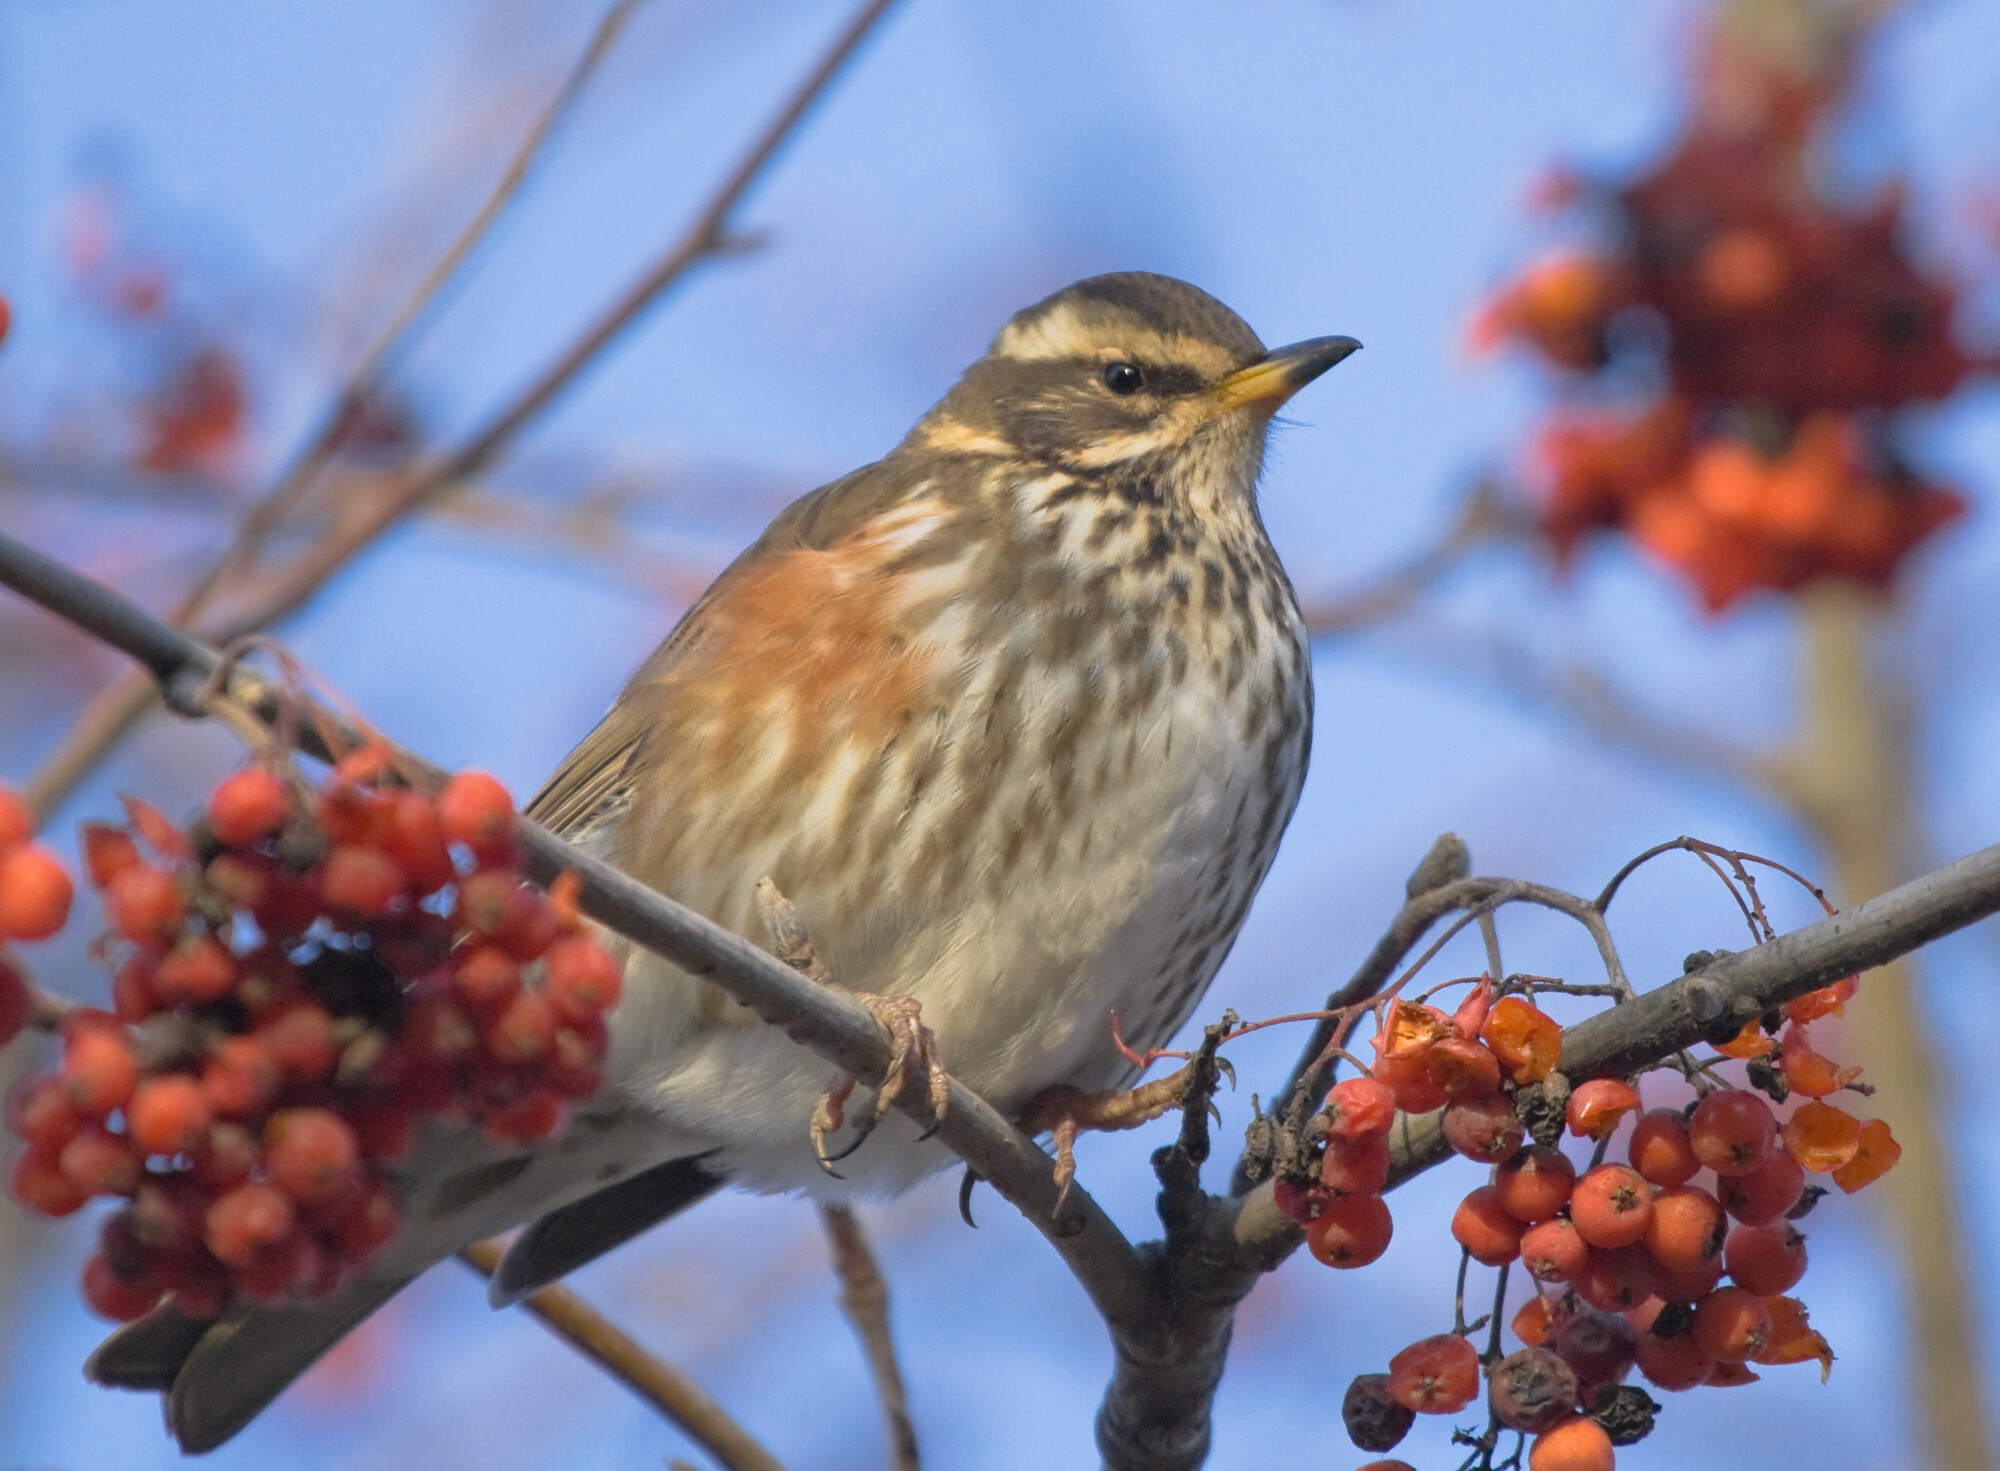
x=1279 y=374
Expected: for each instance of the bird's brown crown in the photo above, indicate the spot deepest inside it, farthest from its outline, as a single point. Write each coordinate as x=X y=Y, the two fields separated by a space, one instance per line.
x=1112 y=369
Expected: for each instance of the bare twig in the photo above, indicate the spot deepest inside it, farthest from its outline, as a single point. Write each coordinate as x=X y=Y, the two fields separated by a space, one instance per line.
x=864 y=1298
x=684 y=1403
x=277 y=594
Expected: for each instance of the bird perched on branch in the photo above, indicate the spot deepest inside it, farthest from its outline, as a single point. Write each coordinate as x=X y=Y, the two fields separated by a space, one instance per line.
x=1014 y=718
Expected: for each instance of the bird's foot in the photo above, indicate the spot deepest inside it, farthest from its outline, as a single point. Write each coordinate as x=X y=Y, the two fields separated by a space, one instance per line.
x=1066 y=1112
x=913 y=1047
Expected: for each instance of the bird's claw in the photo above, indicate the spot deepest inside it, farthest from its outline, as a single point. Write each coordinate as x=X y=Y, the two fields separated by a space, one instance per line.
x=1066 y=1112
x=913 y=1048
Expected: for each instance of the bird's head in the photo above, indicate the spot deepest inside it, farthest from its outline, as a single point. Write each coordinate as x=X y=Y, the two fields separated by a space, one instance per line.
x=1125 y=369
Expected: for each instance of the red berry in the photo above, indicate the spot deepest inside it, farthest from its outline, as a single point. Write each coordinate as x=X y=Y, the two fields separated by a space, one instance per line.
x=41 y=1113
x=38 y=1182
x=1732 y=1131
x=1673 y=1363
x=1486 y=1129
x=168 y=1115
x=369 y=1227
x=1355 y=1169
x=1350 y=1231
x=1767 y=1192
x=1660 y=1149
x=361 y=880
x=1596 y=1107
x=240 y=1076
x=300 y=1037
x=99 y=1068
x=1691 y=1285
x=475 y=810
x=1731 y=1324
x=1766 y=1260
x=1482 y=1226
x=523 y=1031
x=1409 y=1081
x=98 y=1162
x=1617 y=1280
x=132 y=995
x=153 y=826
x=1686 y=1231
x=35 y=893
x=226 y=1158
x=1552 y=1251
x=414 y=837
x=1435 y=1376
x=486 y=904
x=1359 y=1109
x=532 y=925
x=576 y=1057
x=194 y=972
x=313 y=1154
x=245 y=1221
x=17 y=1002
x=247 y=806
x=113 y=1298
x=1598 y=1346
x=584 y=978
x=1535 y=1183
x=1462 y=1068
x=529 y=1119
x=1611 y=1206
x=107 y=852
x=143 y=903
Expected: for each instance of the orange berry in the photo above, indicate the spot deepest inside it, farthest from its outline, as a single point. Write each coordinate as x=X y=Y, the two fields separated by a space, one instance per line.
x=1673 y=1363
x=196 y=971
x=143 y=903
x=1355 y=1169
x=1531 y=1323
x=1359 y=1109
x=1687 y=1229
x=1617 y=1280
x=168 y=1115
x=1580 y=1444
x=1767 y=1192
x=248 y=805
x=1806 y=1071
x=1730 y=1376
x=37 y=1181
x=1462 y=1068
x=1595 y=1107
x=1408 y=1079
x=1748 y=1043
x=1611 y=1206
x=1435 y=1376
x=1826 y=1001
x=1793 y=1340
x=1732 y=1131
x=361 y=879
x=1821 y=1137
x=1350 y=1231
x=240 y=1076
x=1535 y=1183
x=1525 y=1039
x=313 y=1154
x=1875 y=1155
x=1552 y=1251
x=1482 y=1226
x=1660 y=1150
x=474 y=809
x=583 y=978
x=1689 y=1286
x=1731 y=1324
x=486 y=976
x=17 y=823
x=35 y=893
x=1486 y=1129
x=99 y=1069
x=246 y=1221
x=1766 y=1260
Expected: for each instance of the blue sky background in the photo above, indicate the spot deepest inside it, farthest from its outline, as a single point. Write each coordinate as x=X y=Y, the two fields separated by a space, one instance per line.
x=1323 y=167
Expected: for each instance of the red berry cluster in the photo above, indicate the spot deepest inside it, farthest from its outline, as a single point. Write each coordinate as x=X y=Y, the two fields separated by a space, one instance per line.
x=1629 y=1259
x=1782 y=329
x=300 y=977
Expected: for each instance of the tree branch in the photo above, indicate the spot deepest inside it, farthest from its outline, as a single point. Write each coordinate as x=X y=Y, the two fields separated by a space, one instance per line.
x=684 y=1403
x=864 y=1298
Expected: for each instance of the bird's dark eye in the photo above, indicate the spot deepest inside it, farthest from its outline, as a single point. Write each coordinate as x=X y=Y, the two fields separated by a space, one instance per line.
x=1124 y=379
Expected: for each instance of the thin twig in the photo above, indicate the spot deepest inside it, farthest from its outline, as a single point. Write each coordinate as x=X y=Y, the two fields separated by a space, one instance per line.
x=685 y=1404
x=864 y=1298
x=276 y=595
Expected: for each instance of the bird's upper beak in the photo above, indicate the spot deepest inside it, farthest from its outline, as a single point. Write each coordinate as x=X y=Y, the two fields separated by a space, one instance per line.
x=1279 y=374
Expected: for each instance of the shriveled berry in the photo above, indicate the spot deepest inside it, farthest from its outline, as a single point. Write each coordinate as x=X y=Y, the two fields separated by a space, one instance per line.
x=248 y=806
x=1374 y=1419
x=245 y=1221
x=1482 y=1226
x=1596 y=1107
x=1793 y=1340
x=1350 y=1231
x=1485 y=1129
x=1807 y=1073
x=1625 y=1411
x=35 y=893
x=1526 y=1039
x=1598 y=1345
x=168 y=1115
x=1531 y=1389
x=1732 y=1131
x=1611 y=1206
x=1766 y=1260
x=1875 y=1154
x=1435 y=1376
x=1732 y=1325
x=1535 y=1183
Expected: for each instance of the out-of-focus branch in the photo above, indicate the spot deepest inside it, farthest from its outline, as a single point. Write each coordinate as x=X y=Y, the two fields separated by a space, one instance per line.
x=864 y=1297
x=684 y=1403
x=283 y=590
x=1487 y=515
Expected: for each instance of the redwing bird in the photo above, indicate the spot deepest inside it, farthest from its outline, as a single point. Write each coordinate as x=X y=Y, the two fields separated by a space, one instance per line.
x=1015 y=717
